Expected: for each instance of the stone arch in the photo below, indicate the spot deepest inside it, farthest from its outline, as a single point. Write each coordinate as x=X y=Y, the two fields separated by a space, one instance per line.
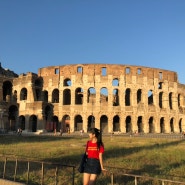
x=79 y=96
x=160 y=85
x=67 y=82
x=162 y=125
x=139 y=96
x=151 y=125
x=172 y=125
x=55 y=96
x=7 y=91
x=12 y=117
x=116 y=124
x=127 y=97
x=115 y=82
x=21 y=123
x=15 y=96
x=170 y=100
x=78 y=125
x=48 y=112
x=180 y=125
x=161 y=100
x=150 y=97
x=67 y=97
x=91 y=95
x=65 y=125
x=115 y=97
x=140 y=124
x=38 y=88
x=128 y=124
x=104 y=123
x=56 y=126
x=103 y=95
x=23 y=94
x=91 y=122
x=33 y=123
x=45 y=96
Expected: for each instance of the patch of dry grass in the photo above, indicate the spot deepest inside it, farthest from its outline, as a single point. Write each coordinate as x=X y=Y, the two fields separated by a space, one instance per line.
x=162 y=158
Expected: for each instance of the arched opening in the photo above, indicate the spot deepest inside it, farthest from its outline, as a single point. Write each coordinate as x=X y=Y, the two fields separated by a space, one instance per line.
x=7 y=91
x=172 y=125
x=103 y=96
x=23 y=94
x=49 y=118
x=115 y=101
x=55 y=96
x=21 y=123
x=104 y=124
x=127 y=97
x=180 y=126
x=151 y=125
x=79 y=96
x=78 y=123
x=67 y=82
x=115 y=82
x=91 y=122
x=65 y=125
x=128 y=124
x=91 y=95
x=170 y=100
x=162 y=126
x=33 y=123
x=13 y=114
x=161 y=100
x=45 y=96
x=67 y=97
x=150 y=97
x=116 y=124
x=139 y=95
x=140 y=124
x=38 y=89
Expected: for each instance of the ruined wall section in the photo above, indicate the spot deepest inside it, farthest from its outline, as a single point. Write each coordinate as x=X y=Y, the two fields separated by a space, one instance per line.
x=98 y=76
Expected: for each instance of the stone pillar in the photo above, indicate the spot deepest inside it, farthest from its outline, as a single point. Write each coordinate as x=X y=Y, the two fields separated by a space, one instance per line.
x=122 y=124
x=72 y=123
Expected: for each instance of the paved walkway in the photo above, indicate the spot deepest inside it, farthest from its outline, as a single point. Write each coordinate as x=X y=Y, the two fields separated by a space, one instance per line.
x=7 y=182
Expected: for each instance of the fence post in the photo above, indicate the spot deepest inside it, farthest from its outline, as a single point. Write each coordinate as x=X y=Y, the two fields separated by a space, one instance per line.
x=28 y=172
x=73 y=176
x=162 y=182
x=112 y=178
x=4 y=171
x=15 y=172
x=135 y=180
x=42 y=180
x=56 y=175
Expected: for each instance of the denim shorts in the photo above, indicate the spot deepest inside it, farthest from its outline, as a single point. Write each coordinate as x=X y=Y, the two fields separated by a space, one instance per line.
x=92 y=166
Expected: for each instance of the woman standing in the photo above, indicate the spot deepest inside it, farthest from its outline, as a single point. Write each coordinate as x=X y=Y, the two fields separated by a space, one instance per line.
x=94 y=150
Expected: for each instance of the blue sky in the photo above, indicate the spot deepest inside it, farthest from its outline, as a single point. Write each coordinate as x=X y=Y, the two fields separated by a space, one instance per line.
x=41 y=33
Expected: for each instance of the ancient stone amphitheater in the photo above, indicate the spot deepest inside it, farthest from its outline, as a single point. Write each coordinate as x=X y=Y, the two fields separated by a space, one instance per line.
x=114 y=98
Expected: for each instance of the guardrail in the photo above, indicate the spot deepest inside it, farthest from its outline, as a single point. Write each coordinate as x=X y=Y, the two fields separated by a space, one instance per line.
x=36 y=172
x=139 y=179
x=41 y=173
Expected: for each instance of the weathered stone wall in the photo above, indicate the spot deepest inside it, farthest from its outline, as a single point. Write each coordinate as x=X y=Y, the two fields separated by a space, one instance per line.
x=70 y=97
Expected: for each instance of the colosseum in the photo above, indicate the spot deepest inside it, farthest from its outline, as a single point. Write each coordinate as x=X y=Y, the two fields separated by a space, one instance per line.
x=114 y=98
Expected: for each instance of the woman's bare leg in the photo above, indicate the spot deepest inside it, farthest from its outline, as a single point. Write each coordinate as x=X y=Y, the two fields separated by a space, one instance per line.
x=93 y=178
x=86 y=178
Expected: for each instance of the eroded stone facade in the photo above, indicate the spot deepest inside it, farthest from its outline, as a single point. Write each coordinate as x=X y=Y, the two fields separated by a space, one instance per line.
x=118 y=98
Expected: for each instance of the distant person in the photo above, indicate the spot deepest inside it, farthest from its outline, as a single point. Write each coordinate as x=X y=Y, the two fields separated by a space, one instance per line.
x=94 y=150
x=19 y=131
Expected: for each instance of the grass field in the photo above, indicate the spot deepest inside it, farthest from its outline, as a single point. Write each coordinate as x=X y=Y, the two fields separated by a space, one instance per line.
x=155 y=157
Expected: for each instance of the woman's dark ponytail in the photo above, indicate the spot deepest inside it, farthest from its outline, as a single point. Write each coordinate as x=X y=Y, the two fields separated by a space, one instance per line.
x=98 y=135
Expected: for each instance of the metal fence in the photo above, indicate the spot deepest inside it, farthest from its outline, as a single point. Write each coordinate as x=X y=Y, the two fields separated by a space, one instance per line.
x=45 y=173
